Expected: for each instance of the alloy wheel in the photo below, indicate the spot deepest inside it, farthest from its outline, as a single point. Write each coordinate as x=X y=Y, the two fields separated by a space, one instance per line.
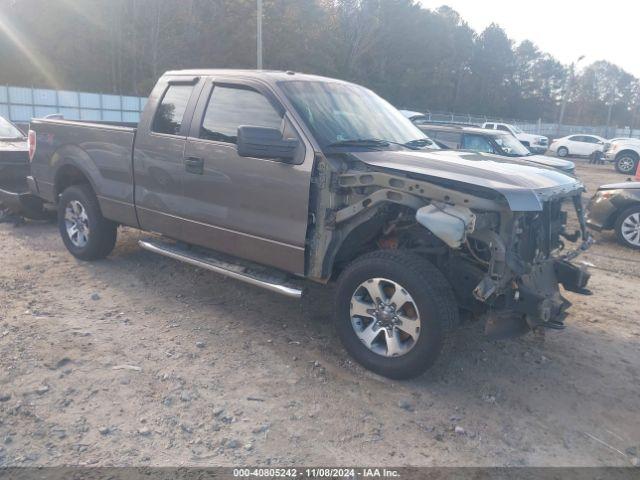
x=626 y=164
x=76 y=223
x=630 y=229
x=385 y=317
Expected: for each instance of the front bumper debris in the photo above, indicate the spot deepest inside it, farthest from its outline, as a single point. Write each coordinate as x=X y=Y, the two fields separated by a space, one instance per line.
x=533 y=298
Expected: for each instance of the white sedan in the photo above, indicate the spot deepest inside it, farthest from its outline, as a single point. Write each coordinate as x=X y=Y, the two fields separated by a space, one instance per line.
x=577 y=145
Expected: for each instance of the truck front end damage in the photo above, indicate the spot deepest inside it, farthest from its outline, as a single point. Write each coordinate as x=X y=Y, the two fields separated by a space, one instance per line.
x=524 y=269
x=506 y=251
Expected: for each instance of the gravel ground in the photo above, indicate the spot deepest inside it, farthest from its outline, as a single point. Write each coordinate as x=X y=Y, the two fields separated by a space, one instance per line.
x=141 y=360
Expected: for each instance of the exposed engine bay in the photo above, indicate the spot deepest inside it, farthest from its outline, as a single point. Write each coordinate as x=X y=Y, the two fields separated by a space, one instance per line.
x=505 y=266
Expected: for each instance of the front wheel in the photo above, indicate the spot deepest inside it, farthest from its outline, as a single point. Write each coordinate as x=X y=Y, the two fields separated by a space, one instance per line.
x=626 y=164
x=627 y=227
x=393 y=311
x=563 y=152
x=85 y=232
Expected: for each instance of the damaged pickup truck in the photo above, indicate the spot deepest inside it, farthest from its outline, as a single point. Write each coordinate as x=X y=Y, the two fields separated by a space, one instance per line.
x=275 y=177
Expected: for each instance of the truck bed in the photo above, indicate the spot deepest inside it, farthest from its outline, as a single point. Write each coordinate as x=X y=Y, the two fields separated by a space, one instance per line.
x=102 y=152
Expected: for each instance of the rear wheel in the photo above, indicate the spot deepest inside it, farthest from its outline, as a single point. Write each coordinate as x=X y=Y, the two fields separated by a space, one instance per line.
x=393 y=311
x=628 y=227
x=85 y=232
x=626 y=163
x=563 y=152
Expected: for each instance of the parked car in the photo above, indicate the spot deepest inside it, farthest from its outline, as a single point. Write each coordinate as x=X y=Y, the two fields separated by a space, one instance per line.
x=535 y=143
x=14 y=169
x=495 y=142
x=624 y=153
x=577 y=145
x=274 y=177
x=617 y=207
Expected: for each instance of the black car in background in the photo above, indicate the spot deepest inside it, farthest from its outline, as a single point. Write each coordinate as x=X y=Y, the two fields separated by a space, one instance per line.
x=14 y=169
x=617 y=207
x=461 y=137
x=14 y=153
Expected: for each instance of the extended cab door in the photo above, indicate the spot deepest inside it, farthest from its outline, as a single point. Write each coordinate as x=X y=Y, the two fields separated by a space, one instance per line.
x=252 y=208
x=159 y=153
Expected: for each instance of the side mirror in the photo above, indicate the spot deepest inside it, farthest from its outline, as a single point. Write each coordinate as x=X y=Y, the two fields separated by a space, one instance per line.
x=262 y=142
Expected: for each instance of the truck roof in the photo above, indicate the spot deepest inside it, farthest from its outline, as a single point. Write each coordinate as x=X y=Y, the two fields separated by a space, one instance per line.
x=269 y=75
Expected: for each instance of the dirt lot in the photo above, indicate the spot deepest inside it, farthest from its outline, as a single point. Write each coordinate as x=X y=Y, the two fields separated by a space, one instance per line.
x=140 y=360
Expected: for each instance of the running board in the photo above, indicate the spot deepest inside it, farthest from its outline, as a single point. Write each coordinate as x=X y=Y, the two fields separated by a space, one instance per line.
x=248 y=273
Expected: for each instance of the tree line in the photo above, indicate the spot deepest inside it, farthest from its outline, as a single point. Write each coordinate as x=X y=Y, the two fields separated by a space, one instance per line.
x=415 y=57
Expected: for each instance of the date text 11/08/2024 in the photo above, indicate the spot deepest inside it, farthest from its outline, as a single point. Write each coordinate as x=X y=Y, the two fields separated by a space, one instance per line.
x=316 y=472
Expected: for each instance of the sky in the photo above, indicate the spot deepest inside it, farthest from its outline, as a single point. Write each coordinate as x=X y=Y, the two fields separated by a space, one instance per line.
x=600 y=30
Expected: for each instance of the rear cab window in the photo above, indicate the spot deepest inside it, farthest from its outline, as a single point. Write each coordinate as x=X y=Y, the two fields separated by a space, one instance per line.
x=170 y=112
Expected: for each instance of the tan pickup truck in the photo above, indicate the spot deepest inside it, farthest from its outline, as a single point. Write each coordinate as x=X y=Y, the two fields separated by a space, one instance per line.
x=279 y=178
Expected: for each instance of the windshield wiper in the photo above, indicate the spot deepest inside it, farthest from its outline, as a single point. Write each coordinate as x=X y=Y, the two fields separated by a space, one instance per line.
x=360 y=142
x=418 y=142
x=379 y=142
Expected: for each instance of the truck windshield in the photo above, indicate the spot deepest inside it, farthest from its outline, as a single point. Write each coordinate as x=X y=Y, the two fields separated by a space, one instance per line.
x=346 y=115
x=8 y=131
x=511 y=146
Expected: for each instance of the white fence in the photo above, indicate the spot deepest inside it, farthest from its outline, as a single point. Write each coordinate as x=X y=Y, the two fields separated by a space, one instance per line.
x=21 y=104
x=541 y=128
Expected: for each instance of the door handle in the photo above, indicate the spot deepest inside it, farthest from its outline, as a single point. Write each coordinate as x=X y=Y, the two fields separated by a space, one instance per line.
x=194 y=165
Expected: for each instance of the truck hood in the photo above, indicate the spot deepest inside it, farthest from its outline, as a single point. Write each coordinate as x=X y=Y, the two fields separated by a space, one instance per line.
x=530 y=137
x=552 y=162
x=626 y=143
x=523 y=187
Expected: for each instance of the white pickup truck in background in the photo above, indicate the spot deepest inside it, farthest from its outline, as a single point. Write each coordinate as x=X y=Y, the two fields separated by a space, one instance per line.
x=535 y=143
x=624 y=153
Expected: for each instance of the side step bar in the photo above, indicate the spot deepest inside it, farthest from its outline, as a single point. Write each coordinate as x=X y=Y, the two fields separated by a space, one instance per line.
x=209 y=262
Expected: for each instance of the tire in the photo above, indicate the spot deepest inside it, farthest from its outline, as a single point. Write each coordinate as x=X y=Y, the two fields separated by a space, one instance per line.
x=432 y=302
x=624 y=227
x=563 y=152
x=100 y=234
x=626 y=163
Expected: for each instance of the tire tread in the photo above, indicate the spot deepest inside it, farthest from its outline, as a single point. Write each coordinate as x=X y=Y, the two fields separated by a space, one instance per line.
x=103 y=233
x=435 y=287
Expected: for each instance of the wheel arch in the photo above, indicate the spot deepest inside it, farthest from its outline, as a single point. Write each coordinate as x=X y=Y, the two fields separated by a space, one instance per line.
x=73 y=166
x=352 y=240
x=364 y=234
x=627 y=151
